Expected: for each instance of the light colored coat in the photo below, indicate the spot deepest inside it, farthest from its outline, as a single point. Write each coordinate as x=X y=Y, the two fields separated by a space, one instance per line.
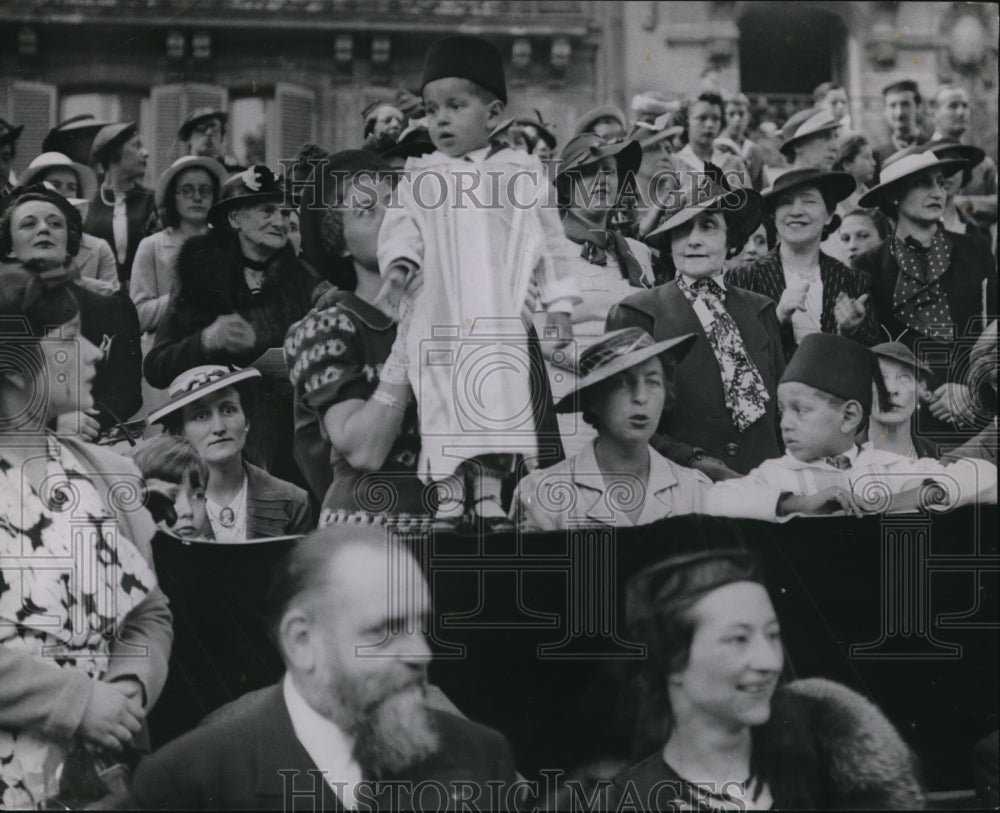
x=479 y=251
x=874 y=475
x=153 y=276
x=94 y=266
x=575 y=494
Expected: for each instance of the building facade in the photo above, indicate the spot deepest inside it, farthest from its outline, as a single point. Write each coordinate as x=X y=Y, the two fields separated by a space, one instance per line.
x=291 y=71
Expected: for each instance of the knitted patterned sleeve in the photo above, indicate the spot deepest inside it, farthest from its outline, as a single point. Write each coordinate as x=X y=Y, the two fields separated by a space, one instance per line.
x=323 y=353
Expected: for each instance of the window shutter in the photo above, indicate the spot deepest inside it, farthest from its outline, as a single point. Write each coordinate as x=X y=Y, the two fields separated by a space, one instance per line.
x=32 y=104
x=171 y=104
x=293 y=123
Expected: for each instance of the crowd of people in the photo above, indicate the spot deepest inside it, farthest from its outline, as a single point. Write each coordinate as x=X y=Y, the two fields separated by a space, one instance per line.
x=465 y=327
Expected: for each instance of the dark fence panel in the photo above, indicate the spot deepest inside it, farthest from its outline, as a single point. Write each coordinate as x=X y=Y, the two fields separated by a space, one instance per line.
x=530 y=638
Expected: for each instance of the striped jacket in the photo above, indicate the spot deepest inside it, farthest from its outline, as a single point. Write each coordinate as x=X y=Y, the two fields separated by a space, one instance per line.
x=766 y=276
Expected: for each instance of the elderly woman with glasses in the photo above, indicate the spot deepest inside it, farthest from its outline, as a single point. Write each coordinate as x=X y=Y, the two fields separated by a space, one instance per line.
x=721 y=728
x=239 y=288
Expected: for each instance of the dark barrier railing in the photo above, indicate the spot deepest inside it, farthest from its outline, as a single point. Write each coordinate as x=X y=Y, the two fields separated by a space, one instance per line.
x=529 y=635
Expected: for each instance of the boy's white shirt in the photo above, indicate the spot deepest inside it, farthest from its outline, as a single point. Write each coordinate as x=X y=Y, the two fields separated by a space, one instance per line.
x=478 y=263
x=872 y=473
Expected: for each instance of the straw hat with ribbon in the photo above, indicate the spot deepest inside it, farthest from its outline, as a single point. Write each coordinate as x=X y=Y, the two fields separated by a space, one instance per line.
x=615 y=352
x=194 y=384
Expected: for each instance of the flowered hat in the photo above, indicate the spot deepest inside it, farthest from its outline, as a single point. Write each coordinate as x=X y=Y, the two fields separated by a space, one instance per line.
x=256 y=184
x=196 y=383
x=617 y=351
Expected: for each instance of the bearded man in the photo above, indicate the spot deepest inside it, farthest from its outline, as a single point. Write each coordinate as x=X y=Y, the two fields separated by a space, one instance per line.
x=351 y=725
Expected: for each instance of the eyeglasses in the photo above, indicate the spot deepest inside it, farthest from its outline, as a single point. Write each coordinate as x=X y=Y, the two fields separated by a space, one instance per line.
x=188 y=192
x=207 y=129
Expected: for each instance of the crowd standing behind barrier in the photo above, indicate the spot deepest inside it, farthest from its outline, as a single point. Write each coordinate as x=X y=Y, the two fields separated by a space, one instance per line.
x=565 y=379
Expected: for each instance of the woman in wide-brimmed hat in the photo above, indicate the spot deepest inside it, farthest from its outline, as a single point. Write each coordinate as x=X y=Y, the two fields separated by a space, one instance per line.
x=933 y=290
x=624 y=387
x=726 y=383
x=239 y=288
x=590 y=177
x=208 y=406
x=94 y=265
x=814 y=293
x=959 y=219
x=184 y=194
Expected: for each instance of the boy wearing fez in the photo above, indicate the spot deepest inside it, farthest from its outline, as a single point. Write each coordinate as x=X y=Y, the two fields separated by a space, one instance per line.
x=825 y=396
x=476 y=220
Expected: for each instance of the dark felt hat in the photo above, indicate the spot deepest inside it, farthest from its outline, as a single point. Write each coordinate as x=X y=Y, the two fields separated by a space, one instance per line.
x=196 y=117
x=587 y=149
x=805 y=124
x=742 y=207
x=466 y=57
x=681 y=580
x=109 y=137
x=836 y=186
x=9 y=133
x=412 y=144
x=897 y=351
x=74 y=136
x=838 y=366
x=337 y=170
x=256 y=184
x=902 y=86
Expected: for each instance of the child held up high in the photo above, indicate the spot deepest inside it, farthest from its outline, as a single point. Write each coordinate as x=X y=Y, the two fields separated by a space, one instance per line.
x=478 y=223
x=825 y=396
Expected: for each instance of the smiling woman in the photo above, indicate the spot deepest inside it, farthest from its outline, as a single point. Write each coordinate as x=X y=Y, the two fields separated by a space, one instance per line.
x=726 y=734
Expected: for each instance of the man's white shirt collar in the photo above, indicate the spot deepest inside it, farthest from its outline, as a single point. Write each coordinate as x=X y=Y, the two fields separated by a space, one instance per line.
x=326 y=743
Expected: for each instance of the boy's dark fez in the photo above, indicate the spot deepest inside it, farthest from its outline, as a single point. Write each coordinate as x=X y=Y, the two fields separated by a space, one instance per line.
x=466 y=57
x=838 y=366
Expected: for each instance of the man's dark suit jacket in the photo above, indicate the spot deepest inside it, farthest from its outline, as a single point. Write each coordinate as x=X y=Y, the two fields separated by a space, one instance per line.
x=767 y=276
x=251 y=760
x=117 y=386
x=971 y=265
x=140 y=210
x=700 y=418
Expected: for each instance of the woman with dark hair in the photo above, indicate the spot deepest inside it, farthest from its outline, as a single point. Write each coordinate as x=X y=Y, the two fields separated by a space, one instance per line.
x=933 y=290
x=209 y=407
x=589 y=180
x=814 y=293
x=728 y=733
x=42 y=232
x=857 y=159
x=239 y=288
x=702 y=118
x=82 y=659
x=618 y=479
x=860 y=230
x=726 y=419
x=184 y=194
x=356 y=432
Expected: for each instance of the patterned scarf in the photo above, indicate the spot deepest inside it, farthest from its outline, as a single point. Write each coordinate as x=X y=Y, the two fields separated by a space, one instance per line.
x=742 y=384
x=919 y=299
